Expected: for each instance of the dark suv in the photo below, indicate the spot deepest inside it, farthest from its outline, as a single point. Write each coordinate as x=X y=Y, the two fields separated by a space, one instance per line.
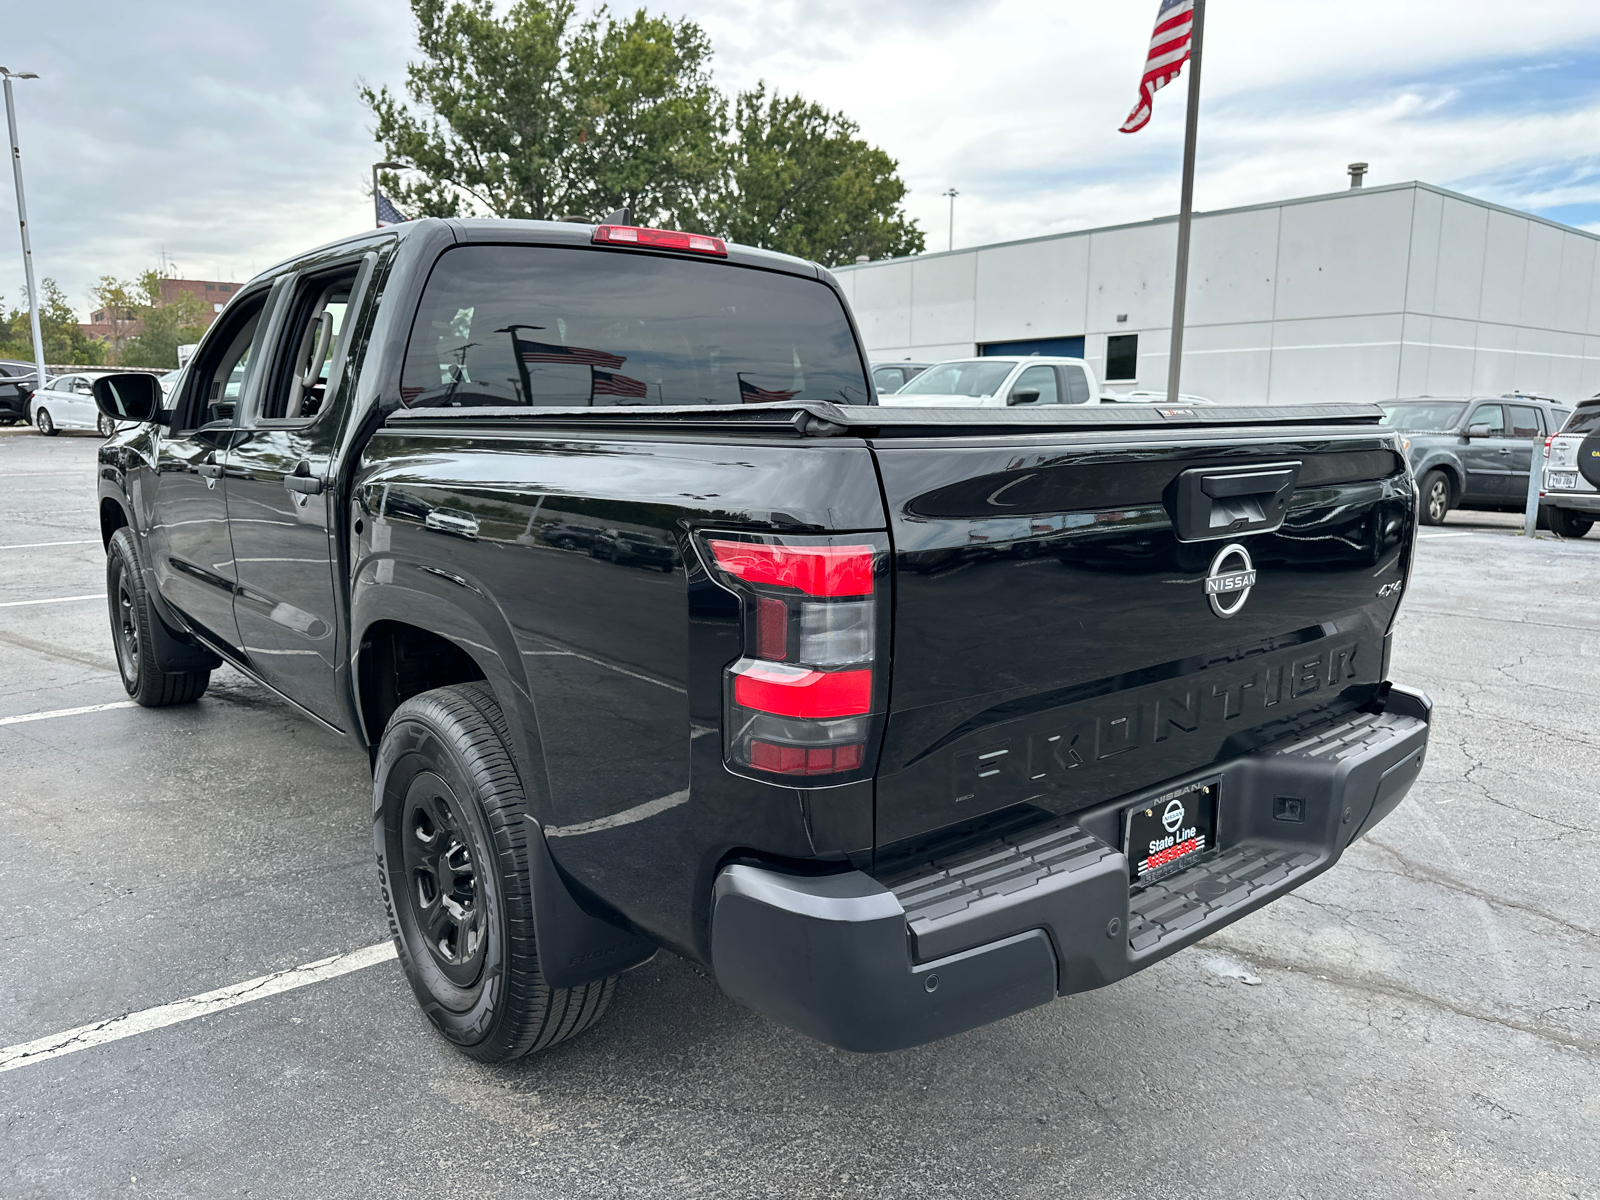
x=1470 y=452
x=16 y=386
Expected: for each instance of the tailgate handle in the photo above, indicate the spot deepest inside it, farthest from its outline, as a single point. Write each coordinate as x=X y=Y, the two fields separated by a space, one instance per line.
x=1217 y=502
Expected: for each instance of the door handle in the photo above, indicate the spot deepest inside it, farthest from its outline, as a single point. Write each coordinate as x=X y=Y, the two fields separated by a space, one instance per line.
x=1504 y=450
x=210 y=469
x=302 y=481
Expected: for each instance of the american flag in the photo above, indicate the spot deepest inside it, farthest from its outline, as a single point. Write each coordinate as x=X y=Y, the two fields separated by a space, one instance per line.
x=606 y=383
x=388 y=214
x=1169 y=50
x=749 y=393
x=543 y=352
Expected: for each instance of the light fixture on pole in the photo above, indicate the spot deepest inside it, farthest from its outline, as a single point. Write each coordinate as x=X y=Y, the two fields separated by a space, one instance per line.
x=377 y=215
x=952 y=193
x=22 y=219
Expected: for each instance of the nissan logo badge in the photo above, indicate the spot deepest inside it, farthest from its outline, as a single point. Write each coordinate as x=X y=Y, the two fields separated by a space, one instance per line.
x=1230 y=579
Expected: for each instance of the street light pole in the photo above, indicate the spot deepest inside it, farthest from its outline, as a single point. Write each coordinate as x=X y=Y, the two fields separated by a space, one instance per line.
x=22 y=219
x=377 y=217
x=952 y=193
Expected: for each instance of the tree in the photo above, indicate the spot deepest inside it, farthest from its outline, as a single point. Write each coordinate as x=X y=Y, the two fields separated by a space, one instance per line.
x=65 y=344
x=799 y=180
x=531 y=115
x=165 y=325
x=116 y=300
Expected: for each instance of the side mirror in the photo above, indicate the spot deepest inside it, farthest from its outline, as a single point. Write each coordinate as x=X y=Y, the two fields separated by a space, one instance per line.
x=128 y=396
x=1024 y=396
x=1477 y=431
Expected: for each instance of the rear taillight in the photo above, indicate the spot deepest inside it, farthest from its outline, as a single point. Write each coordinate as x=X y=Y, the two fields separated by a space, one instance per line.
x=1547 y=443
x=659 y=239
x=806 y=698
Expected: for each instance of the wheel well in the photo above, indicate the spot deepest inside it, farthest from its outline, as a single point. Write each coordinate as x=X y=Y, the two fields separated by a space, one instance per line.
x=112 y=518
x=1453 y=479
x=399 y=661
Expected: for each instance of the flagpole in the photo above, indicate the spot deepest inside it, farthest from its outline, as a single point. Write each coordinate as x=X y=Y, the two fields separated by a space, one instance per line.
x=1191 y=128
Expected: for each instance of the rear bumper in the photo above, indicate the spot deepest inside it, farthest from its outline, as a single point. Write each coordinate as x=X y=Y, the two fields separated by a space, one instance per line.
x=1576 y=501
x=870 y=965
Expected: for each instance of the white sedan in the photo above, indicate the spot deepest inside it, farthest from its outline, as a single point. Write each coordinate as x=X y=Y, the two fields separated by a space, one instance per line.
x=67 y=402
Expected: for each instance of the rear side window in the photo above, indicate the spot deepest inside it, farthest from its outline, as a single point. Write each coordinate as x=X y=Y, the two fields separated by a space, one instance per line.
x=535 y=325
x=1077 y=384
x=1525 y=422
x=1584 y=420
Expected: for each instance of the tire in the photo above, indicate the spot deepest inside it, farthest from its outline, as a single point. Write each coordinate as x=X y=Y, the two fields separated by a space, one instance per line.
x=1435 y=497
x=1568 y=524
x=447 y=803
x=131 y=633
x=105 y=426
x=43 y=423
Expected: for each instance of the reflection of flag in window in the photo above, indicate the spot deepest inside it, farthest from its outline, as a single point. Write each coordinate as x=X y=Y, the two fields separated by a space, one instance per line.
x=543 y=352
x=608 y=383
x=749 y=393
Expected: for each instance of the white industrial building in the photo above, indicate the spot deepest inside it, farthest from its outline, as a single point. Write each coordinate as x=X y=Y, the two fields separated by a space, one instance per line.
x=1366 y=294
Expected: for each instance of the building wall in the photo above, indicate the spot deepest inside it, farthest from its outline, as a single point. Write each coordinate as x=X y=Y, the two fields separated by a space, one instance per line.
x=1364 y=295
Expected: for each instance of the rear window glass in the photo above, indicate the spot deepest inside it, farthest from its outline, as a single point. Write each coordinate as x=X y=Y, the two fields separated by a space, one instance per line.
x=1423 y=416
x=1584 y=420
x=534 y=325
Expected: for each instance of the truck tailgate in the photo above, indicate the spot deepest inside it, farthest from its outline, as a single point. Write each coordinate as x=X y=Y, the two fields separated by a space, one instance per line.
x=1055 y=641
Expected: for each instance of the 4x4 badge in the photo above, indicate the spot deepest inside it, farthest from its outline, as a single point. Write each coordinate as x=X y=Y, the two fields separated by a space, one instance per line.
x=1230 y=579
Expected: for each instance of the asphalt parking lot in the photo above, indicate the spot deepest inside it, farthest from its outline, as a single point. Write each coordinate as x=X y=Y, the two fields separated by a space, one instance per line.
x=1422 y=1021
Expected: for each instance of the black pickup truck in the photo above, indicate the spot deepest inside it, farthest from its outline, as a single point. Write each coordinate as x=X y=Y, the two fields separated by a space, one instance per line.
x=660 y=633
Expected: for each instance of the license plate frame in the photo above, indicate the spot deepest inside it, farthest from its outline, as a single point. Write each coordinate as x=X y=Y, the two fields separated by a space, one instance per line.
x=1169 y=833
x=1563 y=481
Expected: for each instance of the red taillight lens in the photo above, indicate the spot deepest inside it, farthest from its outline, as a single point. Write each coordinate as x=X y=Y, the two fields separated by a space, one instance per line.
x=659 y=239
x=805 y=699
x=814 y=570
x=797 y=692
x=1547 y=442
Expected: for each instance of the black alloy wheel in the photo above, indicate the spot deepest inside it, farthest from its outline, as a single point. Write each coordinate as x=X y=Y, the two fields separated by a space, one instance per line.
x=1435 y=497
x=450 y=825
x=131 y=632
x=444 y=895
x=43 y=423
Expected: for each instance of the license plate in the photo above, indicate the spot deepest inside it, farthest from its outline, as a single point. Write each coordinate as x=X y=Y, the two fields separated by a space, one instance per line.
x=1169 y=833
x=1562 y=481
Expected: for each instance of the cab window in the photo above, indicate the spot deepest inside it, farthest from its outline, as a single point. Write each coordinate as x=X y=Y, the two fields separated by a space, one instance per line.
x=309 y=346
x=1037 y=379
x=220 y=372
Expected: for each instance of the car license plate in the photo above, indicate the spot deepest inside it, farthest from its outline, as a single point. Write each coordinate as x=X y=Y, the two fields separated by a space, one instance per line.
x=1171 y=832
x=1563 y=481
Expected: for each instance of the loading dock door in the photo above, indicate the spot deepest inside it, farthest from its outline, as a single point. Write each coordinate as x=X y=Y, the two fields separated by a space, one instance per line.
x=1059 y=347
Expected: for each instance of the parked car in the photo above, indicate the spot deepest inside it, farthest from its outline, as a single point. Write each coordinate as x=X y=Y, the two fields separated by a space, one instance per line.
x=568 y=535
x=16 y=389
x=1571 y=495
x=999 y=383
x=891 y=377
x=879 y=804
x=67 y=402
x=1142 y=397
x=1472 y=453
x=634 y=546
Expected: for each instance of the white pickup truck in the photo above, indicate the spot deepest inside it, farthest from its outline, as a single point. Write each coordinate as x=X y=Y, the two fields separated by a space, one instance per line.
x=999 y=383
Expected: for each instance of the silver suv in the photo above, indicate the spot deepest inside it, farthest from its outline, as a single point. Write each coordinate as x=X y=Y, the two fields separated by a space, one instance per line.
x=1571 y=472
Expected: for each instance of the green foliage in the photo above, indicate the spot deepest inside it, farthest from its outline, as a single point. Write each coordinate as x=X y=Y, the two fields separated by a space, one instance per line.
x=799 y=181
x=64 y=342
x=534 y=115
x=166 y=325
x=538 y=114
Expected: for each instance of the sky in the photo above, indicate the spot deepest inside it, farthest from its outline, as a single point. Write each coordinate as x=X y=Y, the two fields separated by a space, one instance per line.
x=223 y=138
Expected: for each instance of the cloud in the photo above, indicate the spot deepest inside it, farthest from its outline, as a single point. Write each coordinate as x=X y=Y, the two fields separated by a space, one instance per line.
x=231 y=136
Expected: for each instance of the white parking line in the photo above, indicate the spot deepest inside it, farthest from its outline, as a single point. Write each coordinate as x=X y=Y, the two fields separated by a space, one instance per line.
x=129 y=1024
x=66 y=712
x=1429 y=537
x=54 y=600
x=37 y=545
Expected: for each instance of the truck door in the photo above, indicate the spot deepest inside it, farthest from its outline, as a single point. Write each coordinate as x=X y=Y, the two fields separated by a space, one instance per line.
x=1487 y=457
x=280 y=502
x=189 y=548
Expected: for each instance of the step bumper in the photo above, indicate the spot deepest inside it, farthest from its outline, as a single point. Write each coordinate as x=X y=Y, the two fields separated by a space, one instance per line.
x=873 y=965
